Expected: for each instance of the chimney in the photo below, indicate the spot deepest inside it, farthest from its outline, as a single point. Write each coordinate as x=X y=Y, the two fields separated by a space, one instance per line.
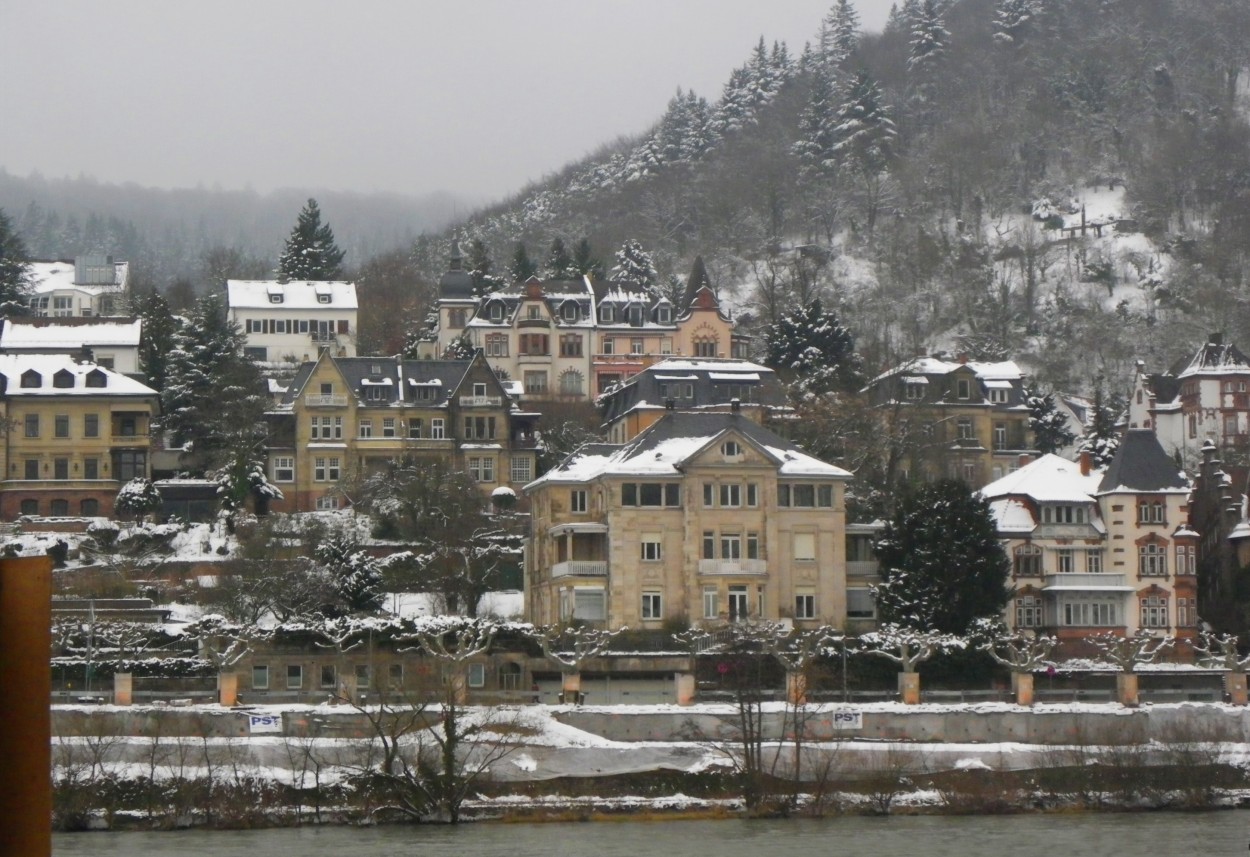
x=963 y=357
x=1216 y=339
x=1086 y=464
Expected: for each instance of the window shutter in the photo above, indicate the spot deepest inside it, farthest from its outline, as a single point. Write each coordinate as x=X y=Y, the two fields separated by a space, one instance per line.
x=342 y=325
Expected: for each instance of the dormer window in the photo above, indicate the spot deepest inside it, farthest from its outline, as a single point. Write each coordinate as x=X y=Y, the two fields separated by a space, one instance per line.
x=635 y=316
x=375 y=369
x=664 y=314
x=323 y=299
x=63 y=379
x=496 y=311
x=533 y=312
x=275 y=299
x=97 y=378
x=570 y=311
x=606 y=315
x=32 y=379
x=963 y=388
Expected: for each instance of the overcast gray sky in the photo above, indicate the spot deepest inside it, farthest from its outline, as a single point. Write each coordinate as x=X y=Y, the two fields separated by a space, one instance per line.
x=476 y=97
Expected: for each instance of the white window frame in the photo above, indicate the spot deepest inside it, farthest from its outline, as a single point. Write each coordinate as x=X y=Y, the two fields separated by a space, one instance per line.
x=284 y=468
x=805 y=604
x=652 y=607
x=651 y=547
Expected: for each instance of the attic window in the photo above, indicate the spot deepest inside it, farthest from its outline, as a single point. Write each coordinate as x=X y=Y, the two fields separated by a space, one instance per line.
x=323 y=299
x=534 y=311
x=96 y=378
x=496 y=311
x=731 y=449
x=570 y=311
x=963 y=388
x=32 y=379
x=375 y=369
x=664 y=314
x=635 y=316
x=275 y=299
x=606 y=315
x=64 y=379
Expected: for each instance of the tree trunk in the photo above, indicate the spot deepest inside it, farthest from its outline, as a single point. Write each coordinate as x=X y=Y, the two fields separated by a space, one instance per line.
x=909 y=688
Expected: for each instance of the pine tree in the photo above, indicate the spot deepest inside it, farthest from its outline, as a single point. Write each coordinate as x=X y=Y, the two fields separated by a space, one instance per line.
x=929 y=40
x=943 y=564
x=1014 y=21
x=839 y=35
x=522 y=267
x=811 y=350
x=356 y=575
x=310 y=252
x=866 y=135
x=584 y=261
x=212 y=397
x=14 y=268
x=1101 y=440
x=559 y=265
x=1048 y=424
x=157 y=341
x=634 y=268
x=477 y=262
x=817 y=133
x=736 y=109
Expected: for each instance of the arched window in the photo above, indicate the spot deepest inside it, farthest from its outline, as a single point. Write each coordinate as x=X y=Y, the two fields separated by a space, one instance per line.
x=705 y=346
x=571 y=383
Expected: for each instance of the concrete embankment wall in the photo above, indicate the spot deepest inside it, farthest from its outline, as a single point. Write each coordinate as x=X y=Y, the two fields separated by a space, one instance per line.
x=1073 y=724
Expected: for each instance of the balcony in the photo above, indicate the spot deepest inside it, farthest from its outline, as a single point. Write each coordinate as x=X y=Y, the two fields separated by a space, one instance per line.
x=733 y=566
x=134 y=437
x=481 y=401
x=863 y=568
x=1086 y=582
x=325 y=401
x=323 y=337
x=580 y=568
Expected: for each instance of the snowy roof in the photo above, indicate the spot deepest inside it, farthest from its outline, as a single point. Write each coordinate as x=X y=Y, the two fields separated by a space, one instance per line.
x=1216 y=358
x=1003 y=370
x=69 y=333
x=646 y=388
x=666 y=447
x=297 y=294
x=58 y=276
x=1140 y=464
x=1049 y=479
x=47 y=366
x=1011 y=515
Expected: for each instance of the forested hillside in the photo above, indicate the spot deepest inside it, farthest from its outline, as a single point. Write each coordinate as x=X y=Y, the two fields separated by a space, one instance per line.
x=917 y=180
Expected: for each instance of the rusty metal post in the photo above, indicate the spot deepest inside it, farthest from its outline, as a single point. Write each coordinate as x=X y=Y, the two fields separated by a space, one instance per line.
x=25 y=695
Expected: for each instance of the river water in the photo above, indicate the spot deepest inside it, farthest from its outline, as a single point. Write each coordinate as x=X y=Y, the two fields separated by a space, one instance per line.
x=1211 y=834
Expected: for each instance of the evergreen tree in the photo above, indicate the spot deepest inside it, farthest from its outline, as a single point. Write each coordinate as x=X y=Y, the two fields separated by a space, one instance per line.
x=839 y=35
x=811 y=350
x=866 y=140
x=764 y=79
x=159 y=329
x=560 y=264
x=943 y=564
x=310 y=253
x=634 y=268
x=584 y=261
x=212 y=400
x=522 y=267
x=929 y=40
x=1014 y=21
x=357 y=578
x=1101 y=440
x=817 y=131
x=477 y=262
x=1048 y=424
x=460 y=348
x=14 y=268
x=735 y=110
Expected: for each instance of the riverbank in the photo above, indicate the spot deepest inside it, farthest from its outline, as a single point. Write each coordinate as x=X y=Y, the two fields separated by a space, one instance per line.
x=166 y=768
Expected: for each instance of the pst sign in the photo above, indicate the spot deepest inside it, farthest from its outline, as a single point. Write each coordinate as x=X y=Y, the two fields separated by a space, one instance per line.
x=848 y=720
x=264 y=723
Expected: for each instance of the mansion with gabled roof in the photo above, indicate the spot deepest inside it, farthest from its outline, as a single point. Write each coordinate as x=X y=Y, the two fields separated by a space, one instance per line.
x=577 y=338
